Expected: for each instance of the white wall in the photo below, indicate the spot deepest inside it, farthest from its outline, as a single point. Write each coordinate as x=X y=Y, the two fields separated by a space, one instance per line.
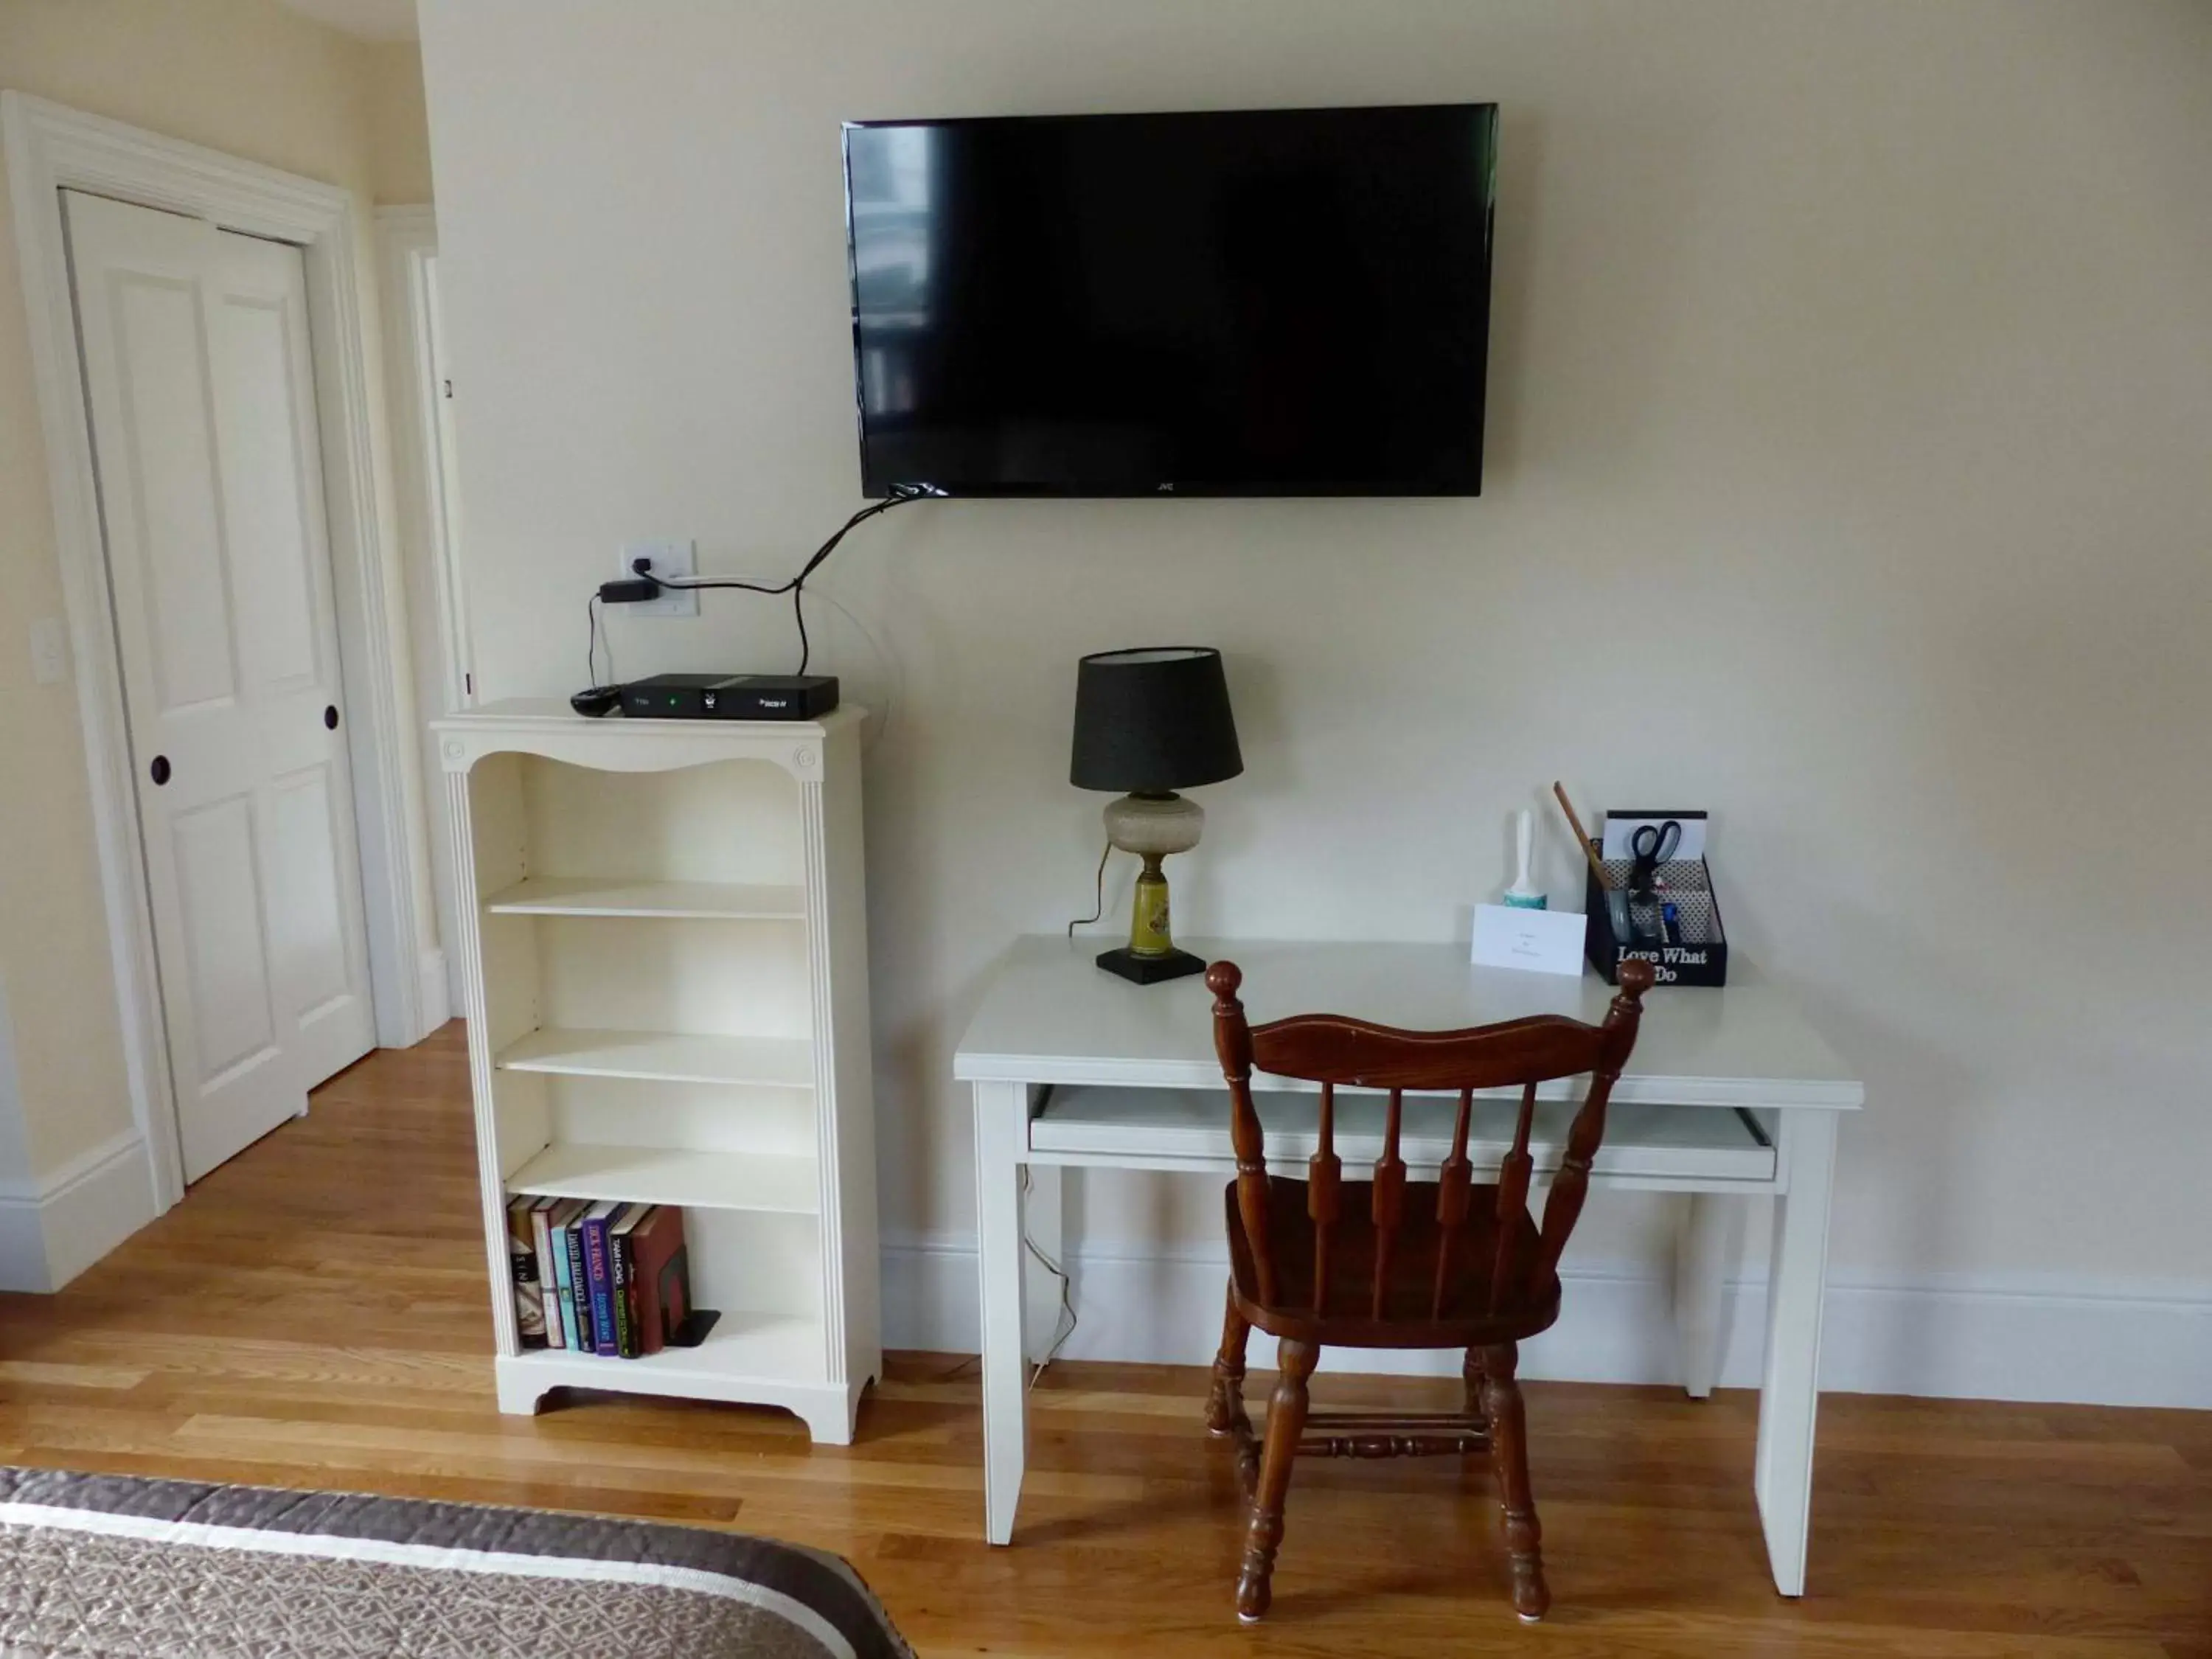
x=1850 y=474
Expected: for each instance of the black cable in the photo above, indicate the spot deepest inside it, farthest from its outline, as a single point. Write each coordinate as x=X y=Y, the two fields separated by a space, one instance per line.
x=1098 y=910
x=592 y=642
x=796 y=587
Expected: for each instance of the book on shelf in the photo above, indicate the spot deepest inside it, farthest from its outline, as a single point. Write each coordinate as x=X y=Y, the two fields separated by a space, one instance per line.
x=570 y=1243
x=594 y=1226
x=550 y=1278
x=522 y=1273
x=607 y=1277
x=623 y=1266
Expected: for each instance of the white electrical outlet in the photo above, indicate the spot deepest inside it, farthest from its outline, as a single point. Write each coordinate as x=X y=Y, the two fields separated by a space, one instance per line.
x=49 y=651
x=664 y=558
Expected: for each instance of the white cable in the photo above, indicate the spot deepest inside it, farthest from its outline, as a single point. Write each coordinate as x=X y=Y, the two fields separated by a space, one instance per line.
x=883 y=661
x=1060 y=1334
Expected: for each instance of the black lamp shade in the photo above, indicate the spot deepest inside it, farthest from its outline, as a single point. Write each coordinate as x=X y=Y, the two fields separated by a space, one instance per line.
x=1153 y=720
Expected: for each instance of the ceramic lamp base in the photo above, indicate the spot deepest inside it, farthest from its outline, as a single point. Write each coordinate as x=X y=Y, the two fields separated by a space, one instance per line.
x=1151 y=970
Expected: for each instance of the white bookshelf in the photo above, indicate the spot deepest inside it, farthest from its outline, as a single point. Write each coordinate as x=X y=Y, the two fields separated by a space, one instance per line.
x=665 y=951
x=662 y=1056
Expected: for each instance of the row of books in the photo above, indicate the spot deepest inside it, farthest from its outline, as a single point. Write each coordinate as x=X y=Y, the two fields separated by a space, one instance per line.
x=608 y=1278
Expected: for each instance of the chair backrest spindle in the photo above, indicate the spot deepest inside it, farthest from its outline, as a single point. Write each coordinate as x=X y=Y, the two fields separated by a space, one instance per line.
x=1324 y=1178
x=1454 y=1181
x=1513 y=1173
x=1331 y=1049
x=1388 y=1197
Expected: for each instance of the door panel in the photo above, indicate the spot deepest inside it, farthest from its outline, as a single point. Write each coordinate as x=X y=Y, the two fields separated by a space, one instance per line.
x=216 y=870
x=280 y=553
x=310 y=932
x=168 y=464
x=275 y=591
x=201 y=402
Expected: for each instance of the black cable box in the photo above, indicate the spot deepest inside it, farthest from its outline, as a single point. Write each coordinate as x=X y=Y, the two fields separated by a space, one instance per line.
x=731 y=698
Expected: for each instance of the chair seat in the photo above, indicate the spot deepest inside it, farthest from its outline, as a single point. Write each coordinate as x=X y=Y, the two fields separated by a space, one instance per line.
x=1410 y=1316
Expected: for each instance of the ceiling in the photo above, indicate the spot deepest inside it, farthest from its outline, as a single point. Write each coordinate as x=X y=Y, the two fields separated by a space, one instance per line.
x=371 y=20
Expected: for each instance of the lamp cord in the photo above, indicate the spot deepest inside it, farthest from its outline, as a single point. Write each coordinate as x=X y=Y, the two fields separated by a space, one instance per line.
x=1099 y=909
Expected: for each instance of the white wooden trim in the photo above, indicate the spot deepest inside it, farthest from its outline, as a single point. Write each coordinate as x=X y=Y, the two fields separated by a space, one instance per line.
x=53 y=1228
x=1702 y=1239
x=1790 y=1396
x=407 y=240
x=49 y=149
x=1121 y=1072
x=549 y=727
x=1001 y=1126
x=436 y=995
x=2026 y=1337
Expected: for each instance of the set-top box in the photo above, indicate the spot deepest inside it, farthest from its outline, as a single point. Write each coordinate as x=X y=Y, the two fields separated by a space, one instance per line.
x=731 y=698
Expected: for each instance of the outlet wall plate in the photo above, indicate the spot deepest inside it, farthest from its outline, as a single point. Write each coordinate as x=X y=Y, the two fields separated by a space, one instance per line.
x=670 y=558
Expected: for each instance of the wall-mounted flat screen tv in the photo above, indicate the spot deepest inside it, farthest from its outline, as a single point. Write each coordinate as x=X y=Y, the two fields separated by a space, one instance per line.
x=1247 y=302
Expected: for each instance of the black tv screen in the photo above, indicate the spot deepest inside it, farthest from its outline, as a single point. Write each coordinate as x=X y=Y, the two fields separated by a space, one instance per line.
x=1255 y=302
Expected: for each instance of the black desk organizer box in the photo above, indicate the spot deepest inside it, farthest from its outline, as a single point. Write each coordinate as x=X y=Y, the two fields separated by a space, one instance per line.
x=1690 y=884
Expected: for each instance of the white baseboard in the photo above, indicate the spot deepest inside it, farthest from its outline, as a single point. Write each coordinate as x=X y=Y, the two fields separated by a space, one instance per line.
x=437 y=997
x=2042 y=1339
x=52 y=1229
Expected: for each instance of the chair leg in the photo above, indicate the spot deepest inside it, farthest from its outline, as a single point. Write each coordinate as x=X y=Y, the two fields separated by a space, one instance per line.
x=1286 y=1421
x=1509 y=1456
x=1225 y=1402
x=1471 y=1381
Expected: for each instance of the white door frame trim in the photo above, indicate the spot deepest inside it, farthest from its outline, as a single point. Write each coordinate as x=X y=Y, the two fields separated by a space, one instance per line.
x=50 y=149
x=437 y=605
x=407 y=240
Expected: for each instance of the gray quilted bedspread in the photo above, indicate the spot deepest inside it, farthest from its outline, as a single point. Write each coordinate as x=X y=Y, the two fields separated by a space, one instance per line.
x=110 y=1564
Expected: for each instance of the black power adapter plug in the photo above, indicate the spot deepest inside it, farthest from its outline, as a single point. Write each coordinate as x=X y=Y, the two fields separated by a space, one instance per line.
x=629 y=592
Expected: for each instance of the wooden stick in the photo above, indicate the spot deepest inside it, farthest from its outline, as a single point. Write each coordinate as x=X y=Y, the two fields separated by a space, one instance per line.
x=1597 y=863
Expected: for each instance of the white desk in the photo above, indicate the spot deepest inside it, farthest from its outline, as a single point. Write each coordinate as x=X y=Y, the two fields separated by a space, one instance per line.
x=1729 y=1092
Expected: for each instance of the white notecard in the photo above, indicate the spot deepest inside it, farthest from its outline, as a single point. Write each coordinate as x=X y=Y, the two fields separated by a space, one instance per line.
x=1541 y=941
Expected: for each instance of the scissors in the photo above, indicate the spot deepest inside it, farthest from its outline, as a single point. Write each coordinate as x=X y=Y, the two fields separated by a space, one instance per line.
x=1653 y=844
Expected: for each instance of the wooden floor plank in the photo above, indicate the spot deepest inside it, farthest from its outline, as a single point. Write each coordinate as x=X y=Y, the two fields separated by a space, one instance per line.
x=315 y=1315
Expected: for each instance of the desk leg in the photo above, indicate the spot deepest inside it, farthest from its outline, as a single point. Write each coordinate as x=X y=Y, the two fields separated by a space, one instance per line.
x=1701 y=1237
x=1041 y=1298
x=1789 y=1395
x=1001 y=1144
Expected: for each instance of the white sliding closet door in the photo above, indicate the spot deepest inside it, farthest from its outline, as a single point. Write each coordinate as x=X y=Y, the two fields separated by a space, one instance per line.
x=202 y=399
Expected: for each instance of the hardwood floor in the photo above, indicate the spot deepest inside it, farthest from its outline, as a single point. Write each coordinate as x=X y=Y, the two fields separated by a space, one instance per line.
x=314 y=1314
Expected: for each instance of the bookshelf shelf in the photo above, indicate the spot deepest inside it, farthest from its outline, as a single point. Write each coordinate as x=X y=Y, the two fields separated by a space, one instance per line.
x=663 y=1057
x=631 y=890
x=715 y=900
x=662 y=1175
x=742 y=1348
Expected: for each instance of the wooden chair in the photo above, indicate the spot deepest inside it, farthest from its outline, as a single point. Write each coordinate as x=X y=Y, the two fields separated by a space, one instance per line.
x=1392 y=1264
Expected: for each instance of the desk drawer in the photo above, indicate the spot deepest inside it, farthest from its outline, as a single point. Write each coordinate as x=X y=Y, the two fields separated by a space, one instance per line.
x=1190 y=1128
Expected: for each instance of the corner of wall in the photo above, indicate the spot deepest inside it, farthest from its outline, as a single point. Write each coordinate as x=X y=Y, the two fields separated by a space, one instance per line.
x=55 y=1226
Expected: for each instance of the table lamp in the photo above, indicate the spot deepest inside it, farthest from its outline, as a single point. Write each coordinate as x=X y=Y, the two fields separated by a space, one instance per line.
x=1150 y=722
